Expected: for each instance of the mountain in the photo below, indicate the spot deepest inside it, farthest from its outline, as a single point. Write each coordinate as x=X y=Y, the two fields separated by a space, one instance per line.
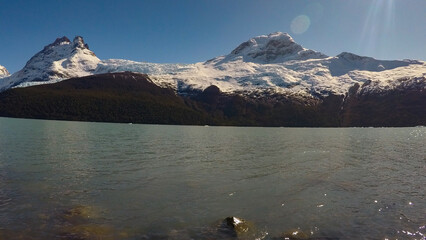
x=116 y=97
x=133 y=97
x=266 y=63
x=269 y=80
x=273 y=48
x=59 y=60
x=275 y=62
x=3 y=72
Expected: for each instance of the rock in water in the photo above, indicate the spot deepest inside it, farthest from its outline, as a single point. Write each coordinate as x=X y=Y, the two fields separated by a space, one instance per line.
x=87 y=231
x=236 y=228
x=82 y=222
x=79 y=214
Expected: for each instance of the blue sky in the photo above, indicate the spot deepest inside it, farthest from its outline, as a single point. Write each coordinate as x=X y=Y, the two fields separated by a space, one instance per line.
x=188 y=31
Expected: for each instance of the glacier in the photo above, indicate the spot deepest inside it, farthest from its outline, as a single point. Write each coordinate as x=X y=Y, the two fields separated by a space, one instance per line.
x=273 y=62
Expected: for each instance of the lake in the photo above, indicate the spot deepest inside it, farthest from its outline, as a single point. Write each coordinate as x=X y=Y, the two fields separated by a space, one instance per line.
x=80 y=180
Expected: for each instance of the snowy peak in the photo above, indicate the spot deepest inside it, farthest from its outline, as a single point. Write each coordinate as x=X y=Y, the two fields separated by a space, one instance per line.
x=273 y=48
x=61 y=59
x=78 y=42
x=347 y=62
x=61 y=55
x=257 y=44
x=273 y=62
x=59 y=41
x=3 y=72
x=353 y=57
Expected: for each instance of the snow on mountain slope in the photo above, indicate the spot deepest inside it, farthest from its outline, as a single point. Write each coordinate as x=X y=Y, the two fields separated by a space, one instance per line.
x=57 y=61
x=256 y=66
x=273 y=48
x=273 y=62
x=3 y=72
x=312 y=76
x=161 y=73
x=120 y=65
x=346 y=62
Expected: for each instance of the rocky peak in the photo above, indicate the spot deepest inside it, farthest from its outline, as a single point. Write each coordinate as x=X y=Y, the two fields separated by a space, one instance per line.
x=273 y=48
x=61 y=59
x=78 y=42
x=352 y=57
x=61 y=48
x=273 y=40
x=59 y=41
x=265 y=42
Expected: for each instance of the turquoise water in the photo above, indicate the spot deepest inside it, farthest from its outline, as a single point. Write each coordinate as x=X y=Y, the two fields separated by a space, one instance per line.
x=79 y=180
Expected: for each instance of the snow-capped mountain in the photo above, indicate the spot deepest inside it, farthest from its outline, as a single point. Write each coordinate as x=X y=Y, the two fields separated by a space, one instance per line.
x=273 y=62
x=273 y=48
x=3 y=72
x=60 y=60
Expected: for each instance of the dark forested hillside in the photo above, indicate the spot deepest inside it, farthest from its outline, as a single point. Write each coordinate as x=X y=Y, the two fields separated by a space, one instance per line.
x=132 y=97
x=123 y=97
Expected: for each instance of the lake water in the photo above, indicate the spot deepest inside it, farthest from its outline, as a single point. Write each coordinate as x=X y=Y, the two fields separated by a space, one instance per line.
x=78 y=180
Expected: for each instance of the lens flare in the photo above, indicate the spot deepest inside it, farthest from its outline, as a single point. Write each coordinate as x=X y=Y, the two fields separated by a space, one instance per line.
x=300 y=24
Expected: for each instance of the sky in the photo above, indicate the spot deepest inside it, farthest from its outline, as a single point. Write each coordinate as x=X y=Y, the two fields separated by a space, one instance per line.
x=189 y=31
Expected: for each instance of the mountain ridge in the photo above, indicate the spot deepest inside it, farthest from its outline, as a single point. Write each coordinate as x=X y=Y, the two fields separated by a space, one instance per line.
x=273 y=48
x=59 y=60
x=132 y=97
x=273 y=62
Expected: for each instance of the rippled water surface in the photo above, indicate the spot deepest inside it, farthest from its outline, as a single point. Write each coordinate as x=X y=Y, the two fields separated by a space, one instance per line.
x=77 y=180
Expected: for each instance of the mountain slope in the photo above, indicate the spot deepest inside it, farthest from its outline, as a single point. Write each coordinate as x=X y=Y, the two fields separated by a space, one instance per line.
x=401 y=106
x=276 y=63
x=131 y=97
x=263 y=64
x=60 y=60
x=331 y=75
x=121 y=97
x=273 y=48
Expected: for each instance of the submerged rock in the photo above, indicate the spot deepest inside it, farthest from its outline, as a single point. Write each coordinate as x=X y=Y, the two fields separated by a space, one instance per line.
x=6 y=234
x=89 y=231
x=82 y=222
x=233 y=227
x=79 y=214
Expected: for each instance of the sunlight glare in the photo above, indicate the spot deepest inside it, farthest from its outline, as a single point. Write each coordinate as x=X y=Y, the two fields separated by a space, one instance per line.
x=378 y=26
